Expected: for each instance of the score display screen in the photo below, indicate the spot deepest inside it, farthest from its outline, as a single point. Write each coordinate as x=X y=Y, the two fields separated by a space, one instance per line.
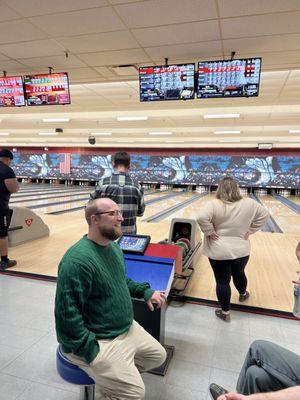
x=11 y=91
x=47 y=89
x=228 y=78
x=135 y=244
x=172 y=82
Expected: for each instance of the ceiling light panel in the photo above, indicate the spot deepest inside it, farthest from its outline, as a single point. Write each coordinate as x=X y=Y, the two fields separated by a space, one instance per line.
x=137 y=118
x=160 y=133
x=56 y=119
x=227 y=132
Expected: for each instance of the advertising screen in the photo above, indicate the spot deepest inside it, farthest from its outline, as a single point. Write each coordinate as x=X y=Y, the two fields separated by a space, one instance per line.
x=11 y=91
x=47 y=89
x=228 y=78
x=172 y=82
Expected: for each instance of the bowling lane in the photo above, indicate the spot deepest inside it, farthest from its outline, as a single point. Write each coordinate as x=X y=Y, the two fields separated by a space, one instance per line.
x=45 y=196
x=82 y=199
x=159 y=231
x=155 y=208
x=192 y=209
x=287 y=219
x=295 y=199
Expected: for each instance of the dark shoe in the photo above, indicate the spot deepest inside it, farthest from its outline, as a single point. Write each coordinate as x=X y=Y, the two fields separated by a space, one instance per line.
x=7 y=264
x=244 y=297
x=221 y=315
x=215 y=391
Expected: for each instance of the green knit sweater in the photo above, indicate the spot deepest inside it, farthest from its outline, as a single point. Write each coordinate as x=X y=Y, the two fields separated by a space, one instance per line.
x=93 y=297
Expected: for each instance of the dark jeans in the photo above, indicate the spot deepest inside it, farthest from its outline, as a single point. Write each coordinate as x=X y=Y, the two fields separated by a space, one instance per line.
x=224 y=270
x=267 y=368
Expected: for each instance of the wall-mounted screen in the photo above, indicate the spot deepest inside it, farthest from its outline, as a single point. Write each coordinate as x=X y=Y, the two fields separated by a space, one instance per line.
x=172 y=82
x=47 y=89
x=11 y=91
x=228 y=78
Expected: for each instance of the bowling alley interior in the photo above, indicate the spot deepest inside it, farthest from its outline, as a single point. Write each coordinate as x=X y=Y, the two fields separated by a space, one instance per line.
x=194 y=93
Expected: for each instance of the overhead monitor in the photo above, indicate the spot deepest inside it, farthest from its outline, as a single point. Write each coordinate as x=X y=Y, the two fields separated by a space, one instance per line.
x=134 y=244
x=47 y=89
x=228 y=78
x=172 y=82
x=11 y=91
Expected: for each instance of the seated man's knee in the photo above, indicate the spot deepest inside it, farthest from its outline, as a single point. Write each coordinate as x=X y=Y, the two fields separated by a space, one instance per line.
x=262 y=347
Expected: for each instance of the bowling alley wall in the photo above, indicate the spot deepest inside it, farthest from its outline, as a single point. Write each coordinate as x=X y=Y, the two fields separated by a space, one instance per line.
x=251 y=167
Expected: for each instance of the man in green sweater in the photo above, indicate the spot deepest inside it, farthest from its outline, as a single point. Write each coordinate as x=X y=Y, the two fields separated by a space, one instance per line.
x=94 y=313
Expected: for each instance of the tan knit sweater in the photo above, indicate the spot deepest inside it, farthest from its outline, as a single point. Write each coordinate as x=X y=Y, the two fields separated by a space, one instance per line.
x=231 y=221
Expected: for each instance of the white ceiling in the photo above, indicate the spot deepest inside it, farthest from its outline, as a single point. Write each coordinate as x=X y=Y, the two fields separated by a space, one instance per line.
x=89 y=38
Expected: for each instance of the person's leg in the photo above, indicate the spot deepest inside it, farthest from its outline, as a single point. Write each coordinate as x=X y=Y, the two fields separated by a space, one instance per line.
x=4 y=225
x=114 y=369
x=238 y=274
x=149 y=352
x=3 y=246
x=222 y=272
x=268 y=367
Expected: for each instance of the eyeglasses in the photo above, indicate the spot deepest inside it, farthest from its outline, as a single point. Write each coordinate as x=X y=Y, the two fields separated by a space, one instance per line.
x=115 y=213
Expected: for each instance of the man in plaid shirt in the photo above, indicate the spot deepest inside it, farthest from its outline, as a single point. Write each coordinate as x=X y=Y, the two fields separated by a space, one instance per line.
x=121 y=188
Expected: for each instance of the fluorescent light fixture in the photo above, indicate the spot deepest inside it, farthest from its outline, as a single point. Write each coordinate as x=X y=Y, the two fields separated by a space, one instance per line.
x=229 y=140
x=47 y=133
x=215 y=116
x=56 y=119
x=227 y=132
x=174 y=141
x=101 y=133
x=160 y=133
x=294 y=131
x=4 y=133
x=141 y=118
x=125 y=141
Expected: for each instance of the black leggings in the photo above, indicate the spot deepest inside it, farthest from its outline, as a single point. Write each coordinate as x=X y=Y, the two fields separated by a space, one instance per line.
x=224 y=270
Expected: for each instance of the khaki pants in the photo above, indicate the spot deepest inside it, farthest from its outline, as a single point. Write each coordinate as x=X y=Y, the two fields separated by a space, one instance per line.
x=116 y=367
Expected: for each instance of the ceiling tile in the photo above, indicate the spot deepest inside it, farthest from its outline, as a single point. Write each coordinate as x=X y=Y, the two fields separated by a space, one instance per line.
x=7 y=13
x=13 y=31
x=269 y=24
x=231 y=8
x=99 y=42
x=186 y=52
x=178 y=33
x=158 y=12
x=263 y=43
x=130 y=56
x=31 y=8
x=56 y=62
x=79 y=22
x=38 y=48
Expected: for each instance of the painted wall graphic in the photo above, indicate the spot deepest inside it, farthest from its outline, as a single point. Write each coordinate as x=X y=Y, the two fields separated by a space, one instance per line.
x=278 y=171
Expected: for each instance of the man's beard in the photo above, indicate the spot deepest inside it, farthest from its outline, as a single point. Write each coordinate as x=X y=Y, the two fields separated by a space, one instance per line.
x=110 y=233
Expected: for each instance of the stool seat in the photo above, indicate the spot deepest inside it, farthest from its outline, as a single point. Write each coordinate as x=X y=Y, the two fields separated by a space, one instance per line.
x=71 y=372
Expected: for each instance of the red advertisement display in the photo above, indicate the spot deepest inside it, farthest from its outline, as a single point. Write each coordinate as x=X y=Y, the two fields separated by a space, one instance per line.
x=47 y=89
x=11 y=91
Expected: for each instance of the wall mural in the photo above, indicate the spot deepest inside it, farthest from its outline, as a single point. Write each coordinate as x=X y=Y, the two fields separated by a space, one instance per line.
x=278 y=171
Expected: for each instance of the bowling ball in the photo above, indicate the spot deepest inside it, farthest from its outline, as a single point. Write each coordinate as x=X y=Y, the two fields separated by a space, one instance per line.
x=185 y=240
x=184 y=248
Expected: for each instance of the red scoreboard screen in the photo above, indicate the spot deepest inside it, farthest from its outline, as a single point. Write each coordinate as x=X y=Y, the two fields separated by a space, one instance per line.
x=47 y=89
x=11 y=91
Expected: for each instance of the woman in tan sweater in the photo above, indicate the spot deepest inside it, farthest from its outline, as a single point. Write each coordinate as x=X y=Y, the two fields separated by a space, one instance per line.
x=227 y=222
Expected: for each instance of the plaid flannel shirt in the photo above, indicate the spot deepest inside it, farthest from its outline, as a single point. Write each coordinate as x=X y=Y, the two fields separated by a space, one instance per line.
x=128 y=194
